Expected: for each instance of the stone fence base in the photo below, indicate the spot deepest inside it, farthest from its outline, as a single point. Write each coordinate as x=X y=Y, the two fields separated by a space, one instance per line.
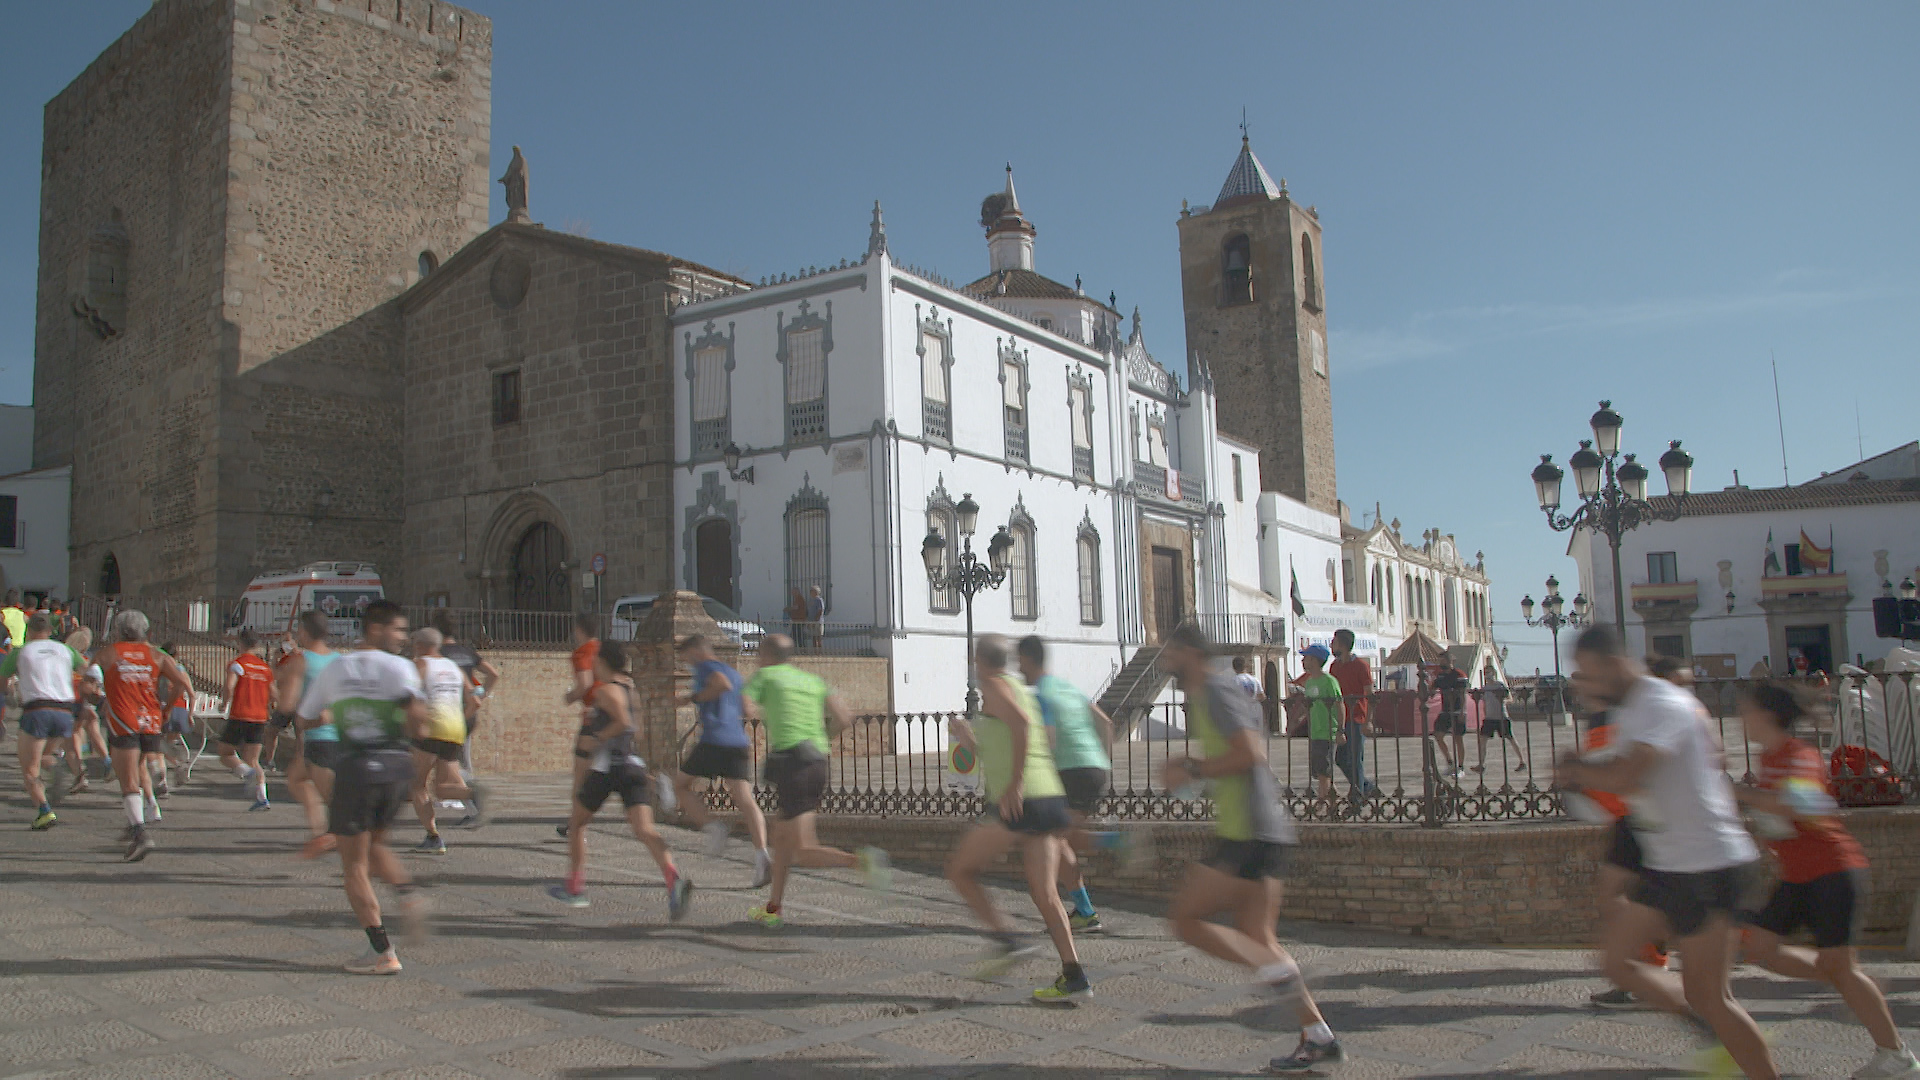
x=1490 y=884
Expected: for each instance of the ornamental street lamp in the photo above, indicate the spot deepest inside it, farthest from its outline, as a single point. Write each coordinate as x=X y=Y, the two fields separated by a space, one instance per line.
x=1613 y=493
x=1553 y=619
x=969 y=576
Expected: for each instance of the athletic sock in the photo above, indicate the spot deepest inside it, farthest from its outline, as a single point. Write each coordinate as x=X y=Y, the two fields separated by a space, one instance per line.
x=672 y=874
x=1319 y=1033
x=1082 y=903
x=46 y=807
x=136 y=808
x=377 y=937
x=1073 y=972
x=1277 y=974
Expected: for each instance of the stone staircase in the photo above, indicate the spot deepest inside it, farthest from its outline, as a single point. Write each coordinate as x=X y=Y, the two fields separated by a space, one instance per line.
x=1133 y=688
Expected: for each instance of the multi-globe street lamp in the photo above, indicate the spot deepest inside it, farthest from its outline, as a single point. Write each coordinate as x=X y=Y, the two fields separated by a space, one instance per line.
x=1553 y=618
x=968 y=576
x=1613 y=492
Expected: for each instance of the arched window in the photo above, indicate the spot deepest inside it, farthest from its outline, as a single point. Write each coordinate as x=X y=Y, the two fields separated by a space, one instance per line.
x=1406 y=597
x=1022 y=582
x=710 y=391
x=1309 y=276
x=1236 y=270
x=941 y=520
x=110 y=576
x=1087 y=548
x=808 y=562
x=428 y=263
x=1373 y=590
x=1389 y=592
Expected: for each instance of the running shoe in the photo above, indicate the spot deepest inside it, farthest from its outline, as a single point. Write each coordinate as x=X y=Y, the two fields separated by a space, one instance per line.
x=375 y=963
x=161 y=790
x=1887 y=1063
x=139 y=846
x=1084 y=924
x=1001 y=956
x=260 y=804
x=567 y=896
x=79 y=783
x=875 y=867
x=44 y=820
x=153 y=809
x=432 y=845
x=478 y=795
x=319 y=845
x=771 y=920
x=1307 y=1055
x=1614 y=998
x=560 y=830
x=716 y=837
x=1713 y=1061
x=1064 y=990
x=762 y=869
x=679 y=898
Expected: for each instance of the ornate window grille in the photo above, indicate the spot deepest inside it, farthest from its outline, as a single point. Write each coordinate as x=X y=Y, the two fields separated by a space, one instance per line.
x=804 y=345
x=1087 y=548
x=809 y=550
x=710 y=391
x=1022 y=574
x=936 y=375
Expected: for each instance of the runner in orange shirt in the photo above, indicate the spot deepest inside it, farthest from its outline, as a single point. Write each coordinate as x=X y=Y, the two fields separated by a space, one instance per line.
x=129 y=666
x=249 y=706
x=585 y=648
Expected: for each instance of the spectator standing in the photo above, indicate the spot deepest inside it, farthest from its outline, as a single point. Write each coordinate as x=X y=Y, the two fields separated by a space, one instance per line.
x=1323 y=726
x=1356 y=682
x=817 y=616
x=1451 y=685
x=1248 y=680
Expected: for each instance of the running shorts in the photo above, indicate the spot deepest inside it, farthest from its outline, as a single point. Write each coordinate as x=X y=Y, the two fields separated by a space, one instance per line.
x=630 y=783
x=370 y=788
x=148 y=744
x=1319 y=758
x=179 y=722
x=47 y=723
x=244 y=732
x=1623 y=848
x=1496 y=727
x=1085 y=788
x=799 y=778
x=1450 y=724
x=280 y=721
x=440 y=748
x=719 y=762
x=1833 y=906
x=320 y=753
x=1038 y=817
x=1689 y=900
x=1250 y=860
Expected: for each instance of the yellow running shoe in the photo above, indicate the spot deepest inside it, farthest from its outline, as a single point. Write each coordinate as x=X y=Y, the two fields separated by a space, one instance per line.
x=768 y=919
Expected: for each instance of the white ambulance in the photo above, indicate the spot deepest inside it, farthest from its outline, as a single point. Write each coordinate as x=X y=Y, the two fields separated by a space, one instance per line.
x=274 y=600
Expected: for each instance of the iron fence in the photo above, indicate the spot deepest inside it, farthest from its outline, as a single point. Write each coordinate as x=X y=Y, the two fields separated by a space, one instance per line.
x=1410 y=772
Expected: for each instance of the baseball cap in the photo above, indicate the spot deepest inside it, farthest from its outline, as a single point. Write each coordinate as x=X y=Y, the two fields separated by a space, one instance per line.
x=1318 y=652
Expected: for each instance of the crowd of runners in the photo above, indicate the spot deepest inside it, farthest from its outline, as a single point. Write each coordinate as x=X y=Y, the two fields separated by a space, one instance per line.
x=387 y=725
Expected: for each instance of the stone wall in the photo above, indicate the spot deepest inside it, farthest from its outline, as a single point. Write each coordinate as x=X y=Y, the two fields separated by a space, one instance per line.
x=233 y=181
x=585 y=326
x=526 y=728
x=1491 y=884
x=1266 y=390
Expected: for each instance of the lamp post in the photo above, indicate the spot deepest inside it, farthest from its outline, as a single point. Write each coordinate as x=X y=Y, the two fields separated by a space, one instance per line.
x=969 y=576
x=1613 y=492
x=1553 y=618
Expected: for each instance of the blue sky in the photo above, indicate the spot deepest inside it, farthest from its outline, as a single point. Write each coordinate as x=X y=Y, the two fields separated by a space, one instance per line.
x=1527 y=207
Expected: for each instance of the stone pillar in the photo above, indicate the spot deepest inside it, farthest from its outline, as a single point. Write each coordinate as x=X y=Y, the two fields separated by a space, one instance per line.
x=660 y=678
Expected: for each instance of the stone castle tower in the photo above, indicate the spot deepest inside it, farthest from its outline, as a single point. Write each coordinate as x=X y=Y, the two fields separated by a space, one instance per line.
x=230 y=194
x=1256 y=321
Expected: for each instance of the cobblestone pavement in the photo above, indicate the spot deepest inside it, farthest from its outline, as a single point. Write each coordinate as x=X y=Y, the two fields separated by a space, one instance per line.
x=220 y=956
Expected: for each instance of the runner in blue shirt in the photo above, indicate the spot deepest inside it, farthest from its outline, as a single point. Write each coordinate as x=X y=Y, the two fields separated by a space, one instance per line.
x=724 y=753
x=1079 y=734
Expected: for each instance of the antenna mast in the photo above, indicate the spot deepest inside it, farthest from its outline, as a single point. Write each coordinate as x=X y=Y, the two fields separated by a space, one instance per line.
x=1779 y=418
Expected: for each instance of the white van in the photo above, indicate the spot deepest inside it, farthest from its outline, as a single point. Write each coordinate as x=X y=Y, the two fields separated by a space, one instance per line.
x=275 y=599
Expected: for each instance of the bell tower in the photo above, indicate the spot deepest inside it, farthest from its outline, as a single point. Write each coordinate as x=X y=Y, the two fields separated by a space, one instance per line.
x=1250 y=275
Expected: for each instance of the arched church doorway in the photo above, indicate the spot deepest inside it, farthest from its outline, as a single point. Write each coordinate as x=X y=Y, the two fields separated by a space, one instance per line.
x=713 y=559
x=110 y=576
x=539 y=566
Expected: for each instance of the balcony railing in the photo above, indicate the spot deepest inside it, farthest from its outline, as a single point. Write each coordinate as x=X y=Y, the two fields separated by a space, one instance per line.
x=1083 y=463
x=937 y=419
x=1666 y=592
x=1017 y=444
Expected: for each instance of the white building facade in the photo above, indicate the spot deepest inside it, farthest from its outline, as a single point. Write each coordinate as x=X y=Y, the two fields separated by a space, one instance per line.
x=1752 y=581
x=33 y=531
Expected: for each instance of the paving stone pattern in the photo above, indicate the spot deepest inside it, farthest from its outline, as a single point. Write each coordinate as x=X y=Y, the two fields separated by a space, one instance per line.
x=220 y=957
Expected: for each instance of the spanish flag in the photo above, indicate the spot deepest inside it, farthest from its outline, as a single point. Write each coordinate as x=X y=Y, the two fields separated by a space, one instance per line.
x=1814 y=558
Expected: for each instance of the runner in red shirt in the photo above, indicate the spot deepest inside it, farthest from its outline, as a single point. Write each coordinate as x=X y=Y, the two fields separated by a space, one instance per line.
x=129 y=666
x=1823 y=874
x=585 y=648
x=249 y=705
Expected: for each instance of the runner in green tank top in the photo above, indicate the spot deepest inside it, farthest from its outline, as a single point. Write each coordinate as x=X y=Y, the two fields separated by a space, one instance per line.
x=1254 y=835
x=1026 y=805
